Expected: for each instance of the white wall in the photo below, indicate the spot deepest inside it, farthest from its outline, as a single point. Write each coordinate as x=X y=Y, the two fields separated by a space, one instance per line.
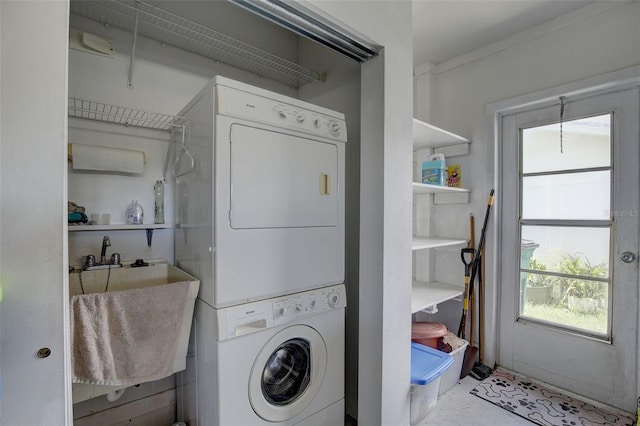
x=595 y=40
x=385 y=209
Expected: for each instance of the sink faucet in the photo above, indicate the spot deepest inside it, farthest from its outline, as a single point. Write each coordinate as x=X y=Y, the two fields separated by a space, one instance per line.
x=106 y=242
x=89 y=261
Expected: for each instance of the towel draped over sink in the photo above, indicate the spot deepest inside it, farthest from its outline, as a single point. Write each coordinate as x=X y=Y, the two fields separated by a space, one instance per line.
x=126 y=337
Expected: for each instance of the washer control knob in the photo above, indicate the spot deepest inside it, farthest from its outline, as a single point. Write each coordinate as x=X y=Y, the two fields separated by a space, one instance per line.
x=300 y=119
x=334 y=128
x=333 y=298
x=298 y=307
x=312 y=304
x=282 y=312
x=281 y=113
x=316 y=123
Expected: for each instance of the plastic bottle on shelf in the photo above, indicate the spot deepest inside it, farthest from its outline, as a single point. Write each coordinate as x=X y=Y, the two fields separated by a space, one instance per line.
x=158 y=191
x=135 y=213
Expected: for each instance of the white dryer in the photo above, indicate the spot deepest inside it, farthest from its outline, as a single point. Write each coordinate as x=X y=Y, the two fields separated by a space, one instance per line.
x=260 y=206
x=275 y=362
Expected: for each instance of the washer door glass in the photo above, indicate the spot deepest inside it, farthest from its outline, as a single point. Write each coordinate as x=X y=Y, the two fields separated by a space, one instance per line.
x=287 y=372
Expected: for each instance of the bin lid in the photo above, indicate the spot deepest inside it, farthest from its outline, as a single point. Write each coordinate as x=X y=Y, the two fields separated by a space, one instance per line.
x=428 y=330
x=427 y=364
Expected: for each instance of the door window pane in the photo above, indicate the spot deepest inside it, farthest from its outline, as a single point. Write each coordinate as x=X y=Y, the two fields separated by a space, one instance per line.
x=586 y=143
x=554 y=248
x=567 y=196
x=564 y=277
x=575 y=303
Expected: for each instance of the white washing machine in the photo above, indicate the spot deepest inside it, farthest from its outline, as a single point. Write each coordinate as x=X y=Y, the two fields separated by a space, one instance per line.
x=275 y=362
x=260 y=199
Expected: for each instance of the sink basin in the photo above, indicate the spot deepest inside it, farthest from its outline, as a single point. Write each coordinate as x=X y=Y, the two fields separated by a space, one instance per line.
x=126 y=278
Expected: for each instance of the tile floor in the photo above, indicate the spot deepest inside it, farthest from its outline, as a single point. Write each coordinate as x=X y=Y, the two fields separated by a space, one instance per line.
x=457 y=407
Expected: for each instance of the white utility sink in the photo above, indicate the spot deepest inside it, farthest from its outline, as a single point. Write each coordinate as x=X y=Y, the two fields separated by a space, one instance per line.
x=126 y=278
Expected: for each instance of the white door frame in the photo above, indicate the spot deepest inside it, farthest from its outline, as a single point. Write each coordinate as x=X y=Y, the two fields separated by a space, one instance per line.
x=494 y=113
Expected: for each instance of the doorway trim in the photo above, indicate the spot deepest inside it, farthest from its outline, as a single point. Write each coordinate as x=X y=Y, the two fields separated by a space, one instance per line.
x=494 y=113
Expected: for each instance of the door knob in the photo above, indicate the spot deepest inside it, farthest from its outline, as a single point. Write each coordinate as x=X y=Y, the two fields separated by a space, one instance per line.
x=627 y=257
x=44 y=352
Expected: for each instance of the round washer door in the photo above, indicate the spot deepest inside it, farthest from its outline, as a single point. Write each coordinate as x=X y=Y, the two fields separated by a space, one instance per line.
x=287 y=373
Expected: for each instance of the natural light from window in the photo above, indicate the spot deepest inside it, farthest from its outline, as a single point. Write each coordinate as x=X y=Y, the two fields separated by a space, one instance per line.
x=565 y=224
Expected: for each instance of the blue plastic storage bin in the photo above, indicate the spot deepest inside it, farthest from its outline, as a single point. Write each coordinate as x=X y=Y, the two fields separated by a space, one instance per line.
x=427 y=365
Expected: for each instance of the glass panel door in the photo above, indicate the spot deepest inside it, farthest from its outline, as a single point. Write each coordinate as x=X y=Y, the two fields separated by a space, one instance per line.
x=569 y=226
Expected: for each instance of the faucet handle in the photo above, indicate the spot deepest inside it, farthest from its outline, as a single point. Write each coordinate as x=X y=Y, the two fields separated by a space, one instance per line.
x=115 y=259
x=89 y=261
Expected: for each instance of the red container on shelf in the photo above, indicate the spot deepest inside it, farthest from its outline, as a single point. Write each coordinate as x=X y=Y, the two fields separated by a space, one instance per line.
x=428 y=333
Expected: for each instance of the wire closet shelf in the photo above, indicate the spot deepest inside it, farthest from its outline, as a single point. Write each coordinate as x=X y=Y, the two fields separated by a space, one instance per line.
x=100 y=111
x=166 y=27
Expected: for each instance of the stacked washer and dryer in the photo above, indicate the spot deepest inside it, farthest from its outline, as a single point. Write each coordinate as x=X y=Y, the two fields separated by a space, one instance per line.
x=260 y=221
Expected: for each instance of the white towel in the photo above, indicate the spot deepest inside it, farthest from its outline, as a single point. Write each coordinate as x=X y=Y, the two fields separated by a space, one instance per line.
x=126 y=337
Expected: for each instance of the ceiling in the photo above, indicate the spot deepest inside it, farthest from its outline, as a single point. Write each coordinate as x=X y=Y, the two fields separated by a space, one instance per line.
x=444 y=29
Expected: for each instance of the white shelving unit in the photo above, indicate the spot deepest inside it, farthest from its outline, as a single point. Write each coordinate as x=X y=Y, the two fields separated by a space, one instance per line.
x=128 y=117
x=426 y=295
x=420 y=243
x=426 y=188
x=426 y=135
x=117 y=227
x=116 y=114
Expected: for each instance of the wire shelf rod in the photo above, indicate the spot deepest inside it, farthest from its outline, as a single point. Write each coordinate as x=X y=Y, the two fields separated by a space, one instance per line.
x=100 y=111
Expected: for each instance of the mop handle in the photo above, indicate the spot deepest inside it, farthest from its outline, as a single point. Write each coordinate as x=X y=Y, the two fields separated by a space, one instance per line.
x=486 y=219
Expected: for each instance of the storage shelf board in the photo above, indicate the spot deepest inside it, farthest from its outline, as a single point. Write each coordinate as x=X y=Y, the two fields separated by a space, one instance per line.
x=428 y=136
x=425 y=188
x=428 y=294
x=117 y=227
x=419 y=243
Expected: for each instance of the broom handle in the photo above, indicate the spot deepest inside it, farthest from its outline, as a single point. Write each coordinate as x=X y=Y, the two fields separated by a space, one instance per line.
x=481 y=283
x=481 y=313
x=472 y=298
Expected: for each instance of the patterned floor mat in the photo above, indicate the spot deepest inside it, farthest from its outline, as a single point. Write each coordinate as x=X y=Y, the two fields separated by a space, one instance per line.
x=543 y=406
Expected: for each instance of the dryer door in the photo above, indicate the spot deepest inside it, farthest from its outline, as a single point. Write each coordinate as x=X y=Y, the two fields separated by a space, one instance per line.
x=287 y=373
x=282 y=181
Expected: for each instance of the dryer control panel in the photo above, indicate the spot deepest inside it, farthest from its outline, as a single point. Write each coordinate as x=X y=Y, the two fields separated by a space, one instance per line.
x=289 y=308
x=290 y=114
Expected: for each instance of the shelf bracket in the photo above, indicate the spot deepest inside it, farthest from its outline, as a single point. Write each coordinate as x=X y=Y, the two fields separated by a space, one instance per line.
x=451 y=198
x=453 y=150
x=133 y=49
x=431 y=309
